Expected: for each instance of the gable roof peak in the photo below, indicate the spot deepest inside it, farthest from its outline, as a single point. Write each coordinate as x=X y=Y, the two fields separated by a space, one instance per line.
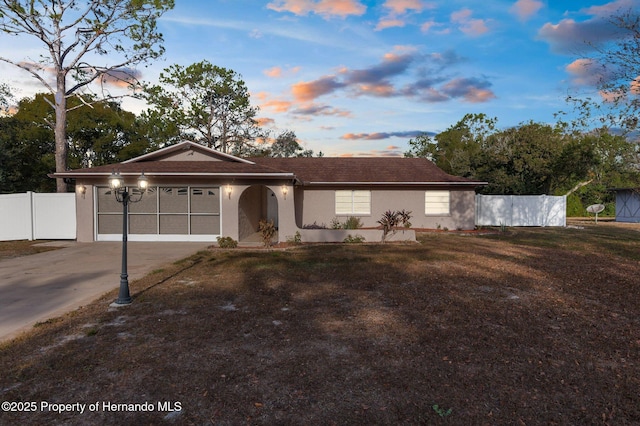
x=184 y=146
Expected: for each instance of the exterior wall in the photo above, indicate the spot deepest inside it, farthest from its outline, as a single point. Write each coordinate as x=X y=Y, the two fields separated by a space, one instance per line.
x=85 y=213
x=252 y=208
x=188 y=155
x=296 y=208
x=230 y=209
x=286 y=211
x=242 y=213
x=319 y=207
x=627 y=206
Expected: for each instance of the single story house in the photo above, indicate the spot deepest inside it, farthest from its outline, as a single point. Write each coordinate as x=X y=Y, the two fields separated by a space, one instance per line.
x=197 y=194
x=627 y=204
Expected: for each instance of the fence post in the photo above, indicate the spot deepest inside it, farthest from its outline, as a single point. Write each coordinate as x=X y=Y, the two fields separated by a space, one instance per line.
x=510 y=211
x=32 y=215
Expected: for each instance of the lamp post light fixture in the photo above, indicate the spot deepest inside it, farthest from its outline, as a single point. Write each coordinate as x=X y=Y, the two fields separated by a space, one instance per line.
x=123 y=196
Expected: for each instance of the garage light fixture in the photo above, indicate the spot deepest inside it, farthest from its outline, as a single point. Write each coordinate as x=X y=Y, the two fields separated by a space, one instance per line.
x=285 y=191
x=81 y=189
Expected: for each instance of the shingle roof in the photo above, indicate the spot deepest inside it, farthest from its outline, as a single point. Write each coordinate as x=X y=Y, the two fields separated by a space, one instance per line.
x=318 y=170
x=307 y=170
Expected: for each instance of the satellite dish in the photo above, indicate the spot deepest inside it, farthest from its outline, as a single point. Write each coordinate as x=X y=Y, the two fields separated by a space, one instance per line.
x=595 y=209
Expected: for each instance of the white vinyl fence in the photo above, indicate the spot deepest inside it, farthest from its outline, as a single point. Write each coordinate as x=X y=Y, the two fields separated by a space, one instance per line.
x=34 y=216
x=521 y=210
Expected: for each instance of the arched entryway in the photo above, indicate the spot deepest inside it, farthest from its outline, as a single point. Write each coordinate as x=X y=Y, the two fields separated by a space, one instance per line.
x=257 y=202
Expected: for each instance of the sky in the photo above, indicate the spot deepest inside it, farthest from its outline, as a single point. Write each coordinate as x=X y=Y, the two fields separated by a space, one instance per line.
x=363 y=77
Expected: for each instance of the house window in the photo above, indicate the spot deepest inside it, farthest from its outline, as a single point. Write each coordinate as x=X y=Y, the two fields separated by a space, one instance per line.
x=436 y=202
x=353 y=202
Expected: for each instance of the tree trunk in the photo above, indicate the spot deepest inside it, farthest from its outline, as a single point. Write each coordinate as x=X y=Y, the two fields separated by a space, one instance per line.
x=62 y=149
x=578 y=186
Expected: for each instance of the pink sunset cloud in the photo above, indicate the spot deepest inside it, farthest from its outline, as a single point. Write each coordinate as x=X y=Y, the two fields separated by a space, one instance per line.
x=397 y=11
x=525 y=9
x=385 y=23
x=307 y=91
x=586 y=72
x=381 y=136
x=279 y=72
x=570 y=36
x=324 y=8
x=467 y=24
x=378 y=80
x=122 y=77
x=277 y=105
x=403 y=6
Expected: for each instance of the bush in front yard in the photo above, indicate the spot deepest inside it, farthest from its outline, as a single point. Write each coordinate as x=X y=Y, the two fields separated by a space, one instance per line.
x=227 y=242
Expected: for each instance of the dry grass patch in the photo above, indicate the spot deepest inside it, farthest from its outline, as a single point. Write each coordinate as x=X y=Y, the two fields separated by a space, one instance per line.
x=10 y=249
x=532 y=326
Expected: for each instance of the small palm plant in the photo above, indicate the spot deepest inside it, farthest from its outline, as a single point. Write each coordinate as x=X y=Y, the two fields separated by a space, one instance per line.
x=388 y=221
x=391 y=219
x=404 y=217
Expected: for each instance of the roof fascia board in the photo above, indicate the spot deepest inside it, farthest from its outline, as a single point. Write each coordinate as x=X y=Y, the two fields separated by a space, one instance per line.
x=243 y=175
x=396 y=183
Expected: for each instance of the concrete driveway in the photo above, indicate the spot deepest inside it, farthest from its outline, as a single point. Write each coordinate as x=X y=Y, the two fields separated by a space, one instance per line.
x=46 y=285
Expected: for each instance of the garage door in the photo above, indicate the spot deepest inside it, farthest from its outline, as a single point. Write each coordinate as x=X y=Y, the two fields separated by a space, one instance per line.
x=165 y=213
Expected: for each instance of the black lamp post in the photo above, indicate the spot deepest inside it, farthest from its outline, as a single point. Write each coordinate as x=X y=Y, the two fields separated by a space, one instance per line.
x=116 y=183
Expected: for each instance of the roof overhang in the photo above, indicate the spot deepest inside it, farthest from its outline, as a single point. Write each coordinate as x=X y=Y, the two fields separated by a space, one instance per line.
x=396 y=183
x=289 y=176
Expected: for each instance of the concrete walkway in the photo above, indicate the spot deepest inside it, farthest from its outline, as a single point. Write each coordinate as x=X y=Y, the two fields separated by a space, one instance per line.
x=46 y=285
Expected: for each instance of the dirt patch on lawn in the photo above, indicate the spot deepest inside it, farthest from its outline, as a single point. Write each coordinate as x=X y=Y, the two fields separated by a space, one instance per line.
x=11 y=249
x=528 y=326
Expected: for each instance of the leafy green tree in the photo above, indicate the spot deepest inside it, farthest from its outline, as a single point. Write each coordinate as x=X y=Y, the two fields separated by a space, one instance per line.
x=102 y=134
x=206 y=104
x=74 y=34
x=521 y=160
x=575 y=163
x=616 y=166
x=158 y=131
x=457 y=149
x=618 y=63
x=532 y=158
x=98 y=133
x=5 y=97
x=422 y=146
x=287 y=145
x=26 y=156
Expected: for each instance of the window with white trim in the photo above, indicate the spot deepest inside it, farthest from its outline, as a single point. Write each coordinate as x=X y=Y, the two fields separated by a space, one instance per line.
x=436 y=203
x=353 y=202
